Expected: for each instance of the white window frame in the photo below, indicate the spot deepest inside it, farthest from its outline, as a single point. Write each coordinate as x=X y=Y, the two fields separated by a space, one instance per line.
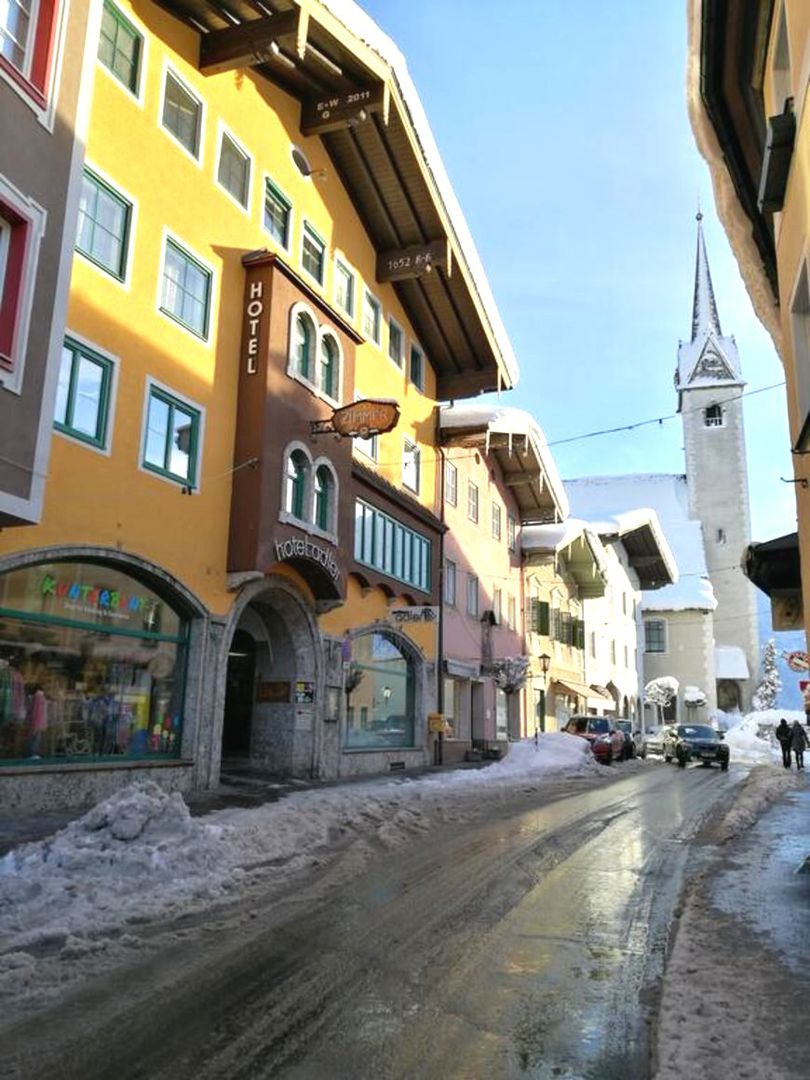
x=451 y=471
x=34 y=220
x=370 y=299
x=170 y=69
x=224 y=132
x=473 y=596
x=473 y=504
x=450 y=583
x=496 y=522
x=307 y=228
x=328 y=332
x=183 y=399
x=341 y=262
x=212 y=294
x=418 y=383
x=411 y=460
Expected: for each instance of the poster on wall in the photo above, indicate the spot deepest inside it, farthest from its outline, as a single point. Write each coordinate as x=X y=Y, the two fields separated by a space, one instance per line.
x=304 y=693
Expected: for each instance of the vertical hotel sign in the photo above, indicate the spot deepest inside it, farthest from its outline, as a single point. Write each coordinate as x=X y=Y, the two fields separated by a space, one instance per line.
x=256 y=312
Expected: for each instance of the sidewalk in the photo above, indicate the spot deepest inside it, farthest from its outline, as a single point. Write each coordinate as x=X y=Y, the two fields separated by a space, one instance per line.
x=241 y=786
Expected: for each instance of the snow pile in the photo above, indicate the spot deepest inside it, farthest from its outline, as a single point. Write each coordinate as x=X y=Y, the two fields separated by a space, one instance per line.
x=139 y=855
x=746 y=744
x=760 y=789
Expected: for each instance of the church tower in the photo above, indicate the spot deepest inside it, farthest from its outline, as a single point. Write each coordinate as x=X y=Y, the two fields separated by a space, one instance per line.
x=709 y=383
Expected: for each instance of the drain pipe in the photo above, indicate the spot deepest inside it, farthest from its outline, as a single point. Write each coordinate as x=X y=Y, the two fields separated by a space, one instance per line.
x=438 y=754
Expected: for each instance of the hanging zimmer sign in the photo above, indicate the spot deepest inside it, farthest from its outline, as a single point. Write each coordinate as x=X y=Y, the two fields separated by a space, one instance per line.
x=360 y=420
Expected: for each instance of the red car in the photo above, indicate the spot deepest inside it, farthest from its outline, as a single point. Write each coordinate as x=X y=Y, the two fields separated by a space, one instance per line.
x=607 y=743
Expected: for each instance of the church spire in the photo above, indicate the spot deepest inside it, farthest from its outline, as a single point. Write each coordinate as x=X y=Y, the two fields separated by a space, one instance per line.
x=704 y=308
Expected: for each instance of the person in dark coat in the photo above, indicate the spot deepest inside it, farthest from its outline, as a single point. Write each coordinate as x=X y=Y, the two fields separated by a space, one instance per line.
x=783 y=734
x=798 y=743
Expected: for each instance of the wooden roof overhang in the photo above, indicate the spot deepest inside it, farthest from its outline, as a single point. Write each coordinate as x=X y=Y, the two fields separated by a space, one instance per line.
x=350 y=98
x=734 y=39
x=522 y=468
x=645 y=557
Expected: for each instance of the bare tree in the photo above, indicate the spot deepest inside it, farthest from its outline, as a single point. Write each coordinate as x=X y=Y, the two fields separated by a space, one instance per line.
x=660 y=692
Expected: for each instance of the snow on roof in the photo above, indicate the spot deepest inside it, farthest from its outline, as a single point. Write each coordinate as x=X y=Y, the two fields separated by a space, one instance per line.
x=622 y=522
x=363 y=26
x=603 y=497
x=554 y=538
x=730 y=662
x=508 y=420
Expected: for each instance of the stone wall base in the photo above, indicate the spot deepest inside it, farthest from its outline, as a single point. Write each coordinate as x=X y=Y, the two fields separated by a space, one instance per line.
x=27 y=790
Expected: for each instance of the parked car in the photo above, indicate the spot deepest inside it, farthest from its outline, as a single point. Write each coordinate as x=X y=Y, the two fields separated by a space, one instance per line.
x=631 y=746
x=696 y=742
x=607 y=743
x=652 y=742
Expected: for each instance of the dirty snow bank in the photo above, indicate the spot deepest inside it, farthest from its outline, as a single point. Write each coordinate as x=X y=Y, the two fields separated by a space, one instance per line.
x=761 y=787
x=139 y=855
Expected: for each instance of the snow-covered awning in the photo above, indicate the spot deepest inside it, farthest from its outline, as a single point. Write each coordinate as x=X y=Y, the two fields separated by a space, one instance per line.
x=579 y=545
x=730 y=662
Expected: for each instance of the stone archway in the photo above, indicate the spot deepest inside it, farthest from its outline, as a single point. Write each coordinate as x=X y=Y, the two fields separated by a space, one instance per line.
x=271 y=695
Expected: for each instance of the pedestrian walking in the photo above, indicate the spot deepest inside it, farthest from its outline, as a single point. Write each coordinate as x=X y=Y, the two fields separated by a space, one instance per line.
x=798 y=743
x=783 y=734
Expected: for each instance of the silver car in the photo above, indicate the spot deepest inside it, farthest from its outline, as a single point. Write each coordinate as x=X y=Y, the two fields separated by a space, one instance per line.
x=654 y=742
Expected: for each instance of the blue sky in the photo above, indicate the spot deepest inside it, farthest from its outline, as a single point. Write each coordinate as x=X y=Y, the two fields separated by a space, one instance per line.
x=565 y=133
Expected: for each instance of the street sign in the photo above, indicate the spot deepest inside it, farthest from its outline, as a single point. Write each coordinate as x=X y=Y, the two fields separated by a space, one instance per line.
x=798 y=661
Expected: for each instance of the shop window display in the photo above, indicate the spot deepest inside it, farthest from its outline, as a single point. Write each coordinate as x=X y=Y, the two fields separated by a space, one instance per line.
x=380 y=704
x=92 y=666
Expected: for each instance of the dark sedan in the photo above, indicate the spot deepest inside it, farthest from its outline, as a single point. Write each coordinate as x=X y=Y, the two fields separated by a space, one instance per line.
x=696 y=742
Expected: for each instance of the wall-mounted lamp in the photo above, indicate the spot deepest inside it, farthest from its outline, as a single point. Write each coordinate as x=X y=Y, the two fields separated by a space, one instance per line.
x=545 y=663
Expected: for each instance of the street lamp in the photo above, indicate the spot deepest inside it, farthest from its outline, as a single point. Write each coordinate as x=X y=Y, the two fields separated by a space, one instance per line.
x=545 y=663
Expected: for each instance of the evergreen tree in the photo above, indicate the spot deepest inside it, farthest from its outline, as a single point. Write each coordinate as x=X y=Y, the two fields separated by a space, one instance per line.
x=767 y=692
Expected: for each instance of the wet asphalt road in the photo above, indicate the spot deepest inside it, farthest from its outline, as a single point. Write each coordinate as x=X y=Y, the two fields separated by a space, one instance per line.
x=529 y=943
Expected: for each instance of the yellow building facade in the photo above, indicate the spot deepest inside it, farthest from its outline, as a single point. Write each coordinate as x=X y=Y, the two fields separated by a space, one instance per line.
x=748 y=98
x=226 y=563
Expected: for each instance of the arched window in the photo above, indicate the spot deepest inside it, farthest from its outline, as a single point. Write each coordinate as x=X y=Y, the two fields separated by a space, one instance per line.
x=303 y=345
x=329 y=367
x=324 y=498
x=713 y=416
x=296 y=484
x=381 y=695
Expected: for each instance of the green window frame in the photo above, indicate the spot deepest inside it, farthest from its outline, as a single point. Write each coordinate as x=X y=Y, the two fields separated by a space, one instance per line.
x=171 y=437
x=186 y=289
x=103 y=226
x=304 y=346
x=120 y=47
x=233 y=170
x=384 y=544
x=182 y=114
x=277 y=213
x=83 y=394
x=313 y=253
x=324 y=498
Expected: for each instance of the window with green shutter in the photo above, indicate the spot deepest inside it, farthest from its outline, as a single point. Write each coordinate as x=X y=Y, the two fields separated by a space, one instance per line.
x=543 y=617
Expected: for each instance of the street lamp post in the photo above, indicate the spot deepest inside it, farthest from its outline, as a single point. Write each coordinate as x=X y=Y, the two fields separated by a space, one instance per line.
x=545 y=663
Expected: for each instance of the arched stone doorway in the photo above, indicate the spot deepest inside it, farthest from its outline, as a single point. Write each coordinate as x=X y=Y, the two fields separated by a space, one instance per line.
x=272 y=695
